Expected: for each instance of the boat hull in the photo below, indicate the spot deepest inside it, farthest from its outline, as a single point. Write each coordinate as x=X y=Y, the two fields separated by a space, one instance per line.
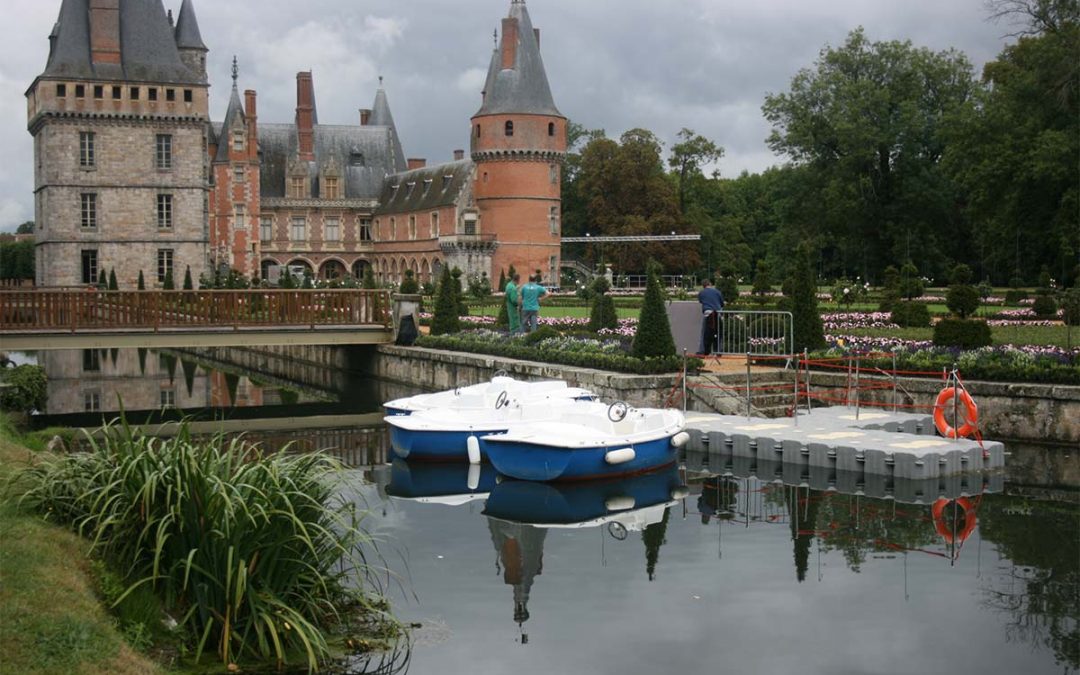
x=568 y=503
x=426 y=480
x=442 y=445
x=535 y=462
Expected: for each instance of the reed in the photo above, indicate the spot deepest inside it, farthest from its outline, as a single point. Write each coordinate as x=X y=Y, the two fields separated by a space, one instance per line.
x=254 y=555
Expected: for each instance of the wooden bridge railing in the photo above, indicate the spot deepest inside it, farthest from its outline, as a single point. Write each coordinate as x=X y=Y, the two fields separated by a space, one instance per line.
x=70 y=310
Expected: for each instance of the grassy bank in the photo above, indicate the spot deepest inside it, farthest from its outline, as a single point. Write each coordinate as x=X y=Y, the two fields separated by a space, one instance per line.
x=51 y=620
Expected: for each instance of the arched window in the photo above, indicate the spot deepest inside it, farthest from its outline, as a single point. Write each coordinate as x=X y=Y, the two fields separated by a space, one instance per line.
x=551 y=128
x=509 y=128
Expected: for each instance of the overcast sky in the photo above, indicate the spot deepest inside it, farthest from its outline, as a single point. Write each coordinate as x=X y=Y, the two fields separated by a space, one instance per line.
x=613 y=64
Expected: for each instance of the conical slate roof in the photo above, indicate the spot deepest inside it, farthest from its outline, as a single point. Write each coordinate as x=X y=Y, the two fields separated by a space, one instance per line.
x=235 y=109
x=382 y=117
x=147 y=46
x=523 y=88
x=187 y=28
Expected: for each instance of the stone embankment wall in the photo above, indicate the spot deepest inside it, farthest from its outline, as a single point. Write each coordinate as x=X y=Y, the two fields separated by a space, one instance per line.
x=435 y=370
x=1011 y=411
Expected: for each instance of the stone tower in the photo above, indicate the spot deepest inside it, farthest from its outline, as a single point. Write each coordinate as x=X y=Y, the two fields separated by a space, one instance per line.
x=119 y=118
x=518 y=146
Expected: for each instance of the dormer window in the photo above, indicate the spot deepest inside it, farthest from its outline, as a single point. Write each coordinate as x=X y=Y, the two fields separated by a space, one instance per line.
x=446 y=180
x=238 y=140
x=356 y=159
x=410 y=185
x=427 y=185
x=509 y=128
x=296 y=187
x=331 y=188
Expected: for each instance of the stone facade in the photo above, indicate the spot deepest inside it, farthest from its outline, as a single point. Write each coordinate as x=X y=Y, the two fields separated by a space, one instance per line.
x=120 y=150
x=332 y=199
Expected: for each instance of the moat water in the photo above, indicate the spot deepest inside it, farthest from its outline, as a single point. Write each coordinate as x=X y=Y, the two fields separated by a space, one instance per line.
x=703 y=568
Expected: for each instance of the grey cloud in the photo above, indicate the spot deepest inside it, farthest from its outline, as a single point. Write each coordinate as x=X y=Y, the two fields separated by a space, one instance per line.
x=613 y=64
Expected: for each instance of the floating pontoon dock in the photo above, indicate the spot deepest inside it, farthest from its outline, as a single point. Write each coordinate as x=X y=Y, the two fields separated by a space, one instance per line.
x=901 y=445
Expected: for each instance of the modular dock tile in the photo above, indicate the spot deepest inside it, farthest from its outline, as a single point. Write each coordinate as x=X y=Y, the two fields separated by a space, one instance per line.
x=874 y=442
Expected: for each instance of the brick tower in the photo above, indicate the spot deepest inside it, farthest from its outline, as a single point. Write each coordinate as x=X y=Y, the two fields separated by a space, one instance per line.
x=518 y=146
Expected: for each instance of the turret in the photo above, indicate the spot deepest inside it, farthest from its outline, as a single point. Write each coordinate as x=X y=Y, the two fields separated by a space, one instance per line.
x=519 y=144
x=189 y=41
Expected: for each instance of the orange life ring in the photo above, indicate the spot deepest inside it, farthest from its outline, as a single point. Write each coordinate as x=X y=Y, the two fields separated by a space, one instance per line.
x=942 y=528
x=969 y=427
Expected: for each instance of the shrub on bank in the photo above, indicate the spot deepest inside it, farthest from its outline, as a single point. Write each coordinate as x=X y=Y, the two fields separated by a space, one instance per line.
x=249 y=553
x=26 y=389
x=557 y=349
x=910 y=314
x=962 y=333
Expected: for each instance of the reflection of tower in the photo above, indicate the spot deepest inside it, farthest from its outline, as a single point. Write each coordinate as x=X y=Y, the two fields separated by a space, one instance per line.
x=521 y=555
x=803 y=519
x=654 y=536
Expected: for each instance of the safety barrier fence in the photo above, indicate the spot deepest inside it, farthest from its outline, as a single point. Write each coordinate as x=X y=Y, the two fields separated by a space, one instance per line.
x=71 y=310
x=860 y=380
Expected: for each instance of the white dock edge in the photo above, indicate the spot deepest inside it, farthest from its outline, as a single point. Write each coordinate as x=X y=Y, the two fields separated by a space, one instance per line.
x=899 y=445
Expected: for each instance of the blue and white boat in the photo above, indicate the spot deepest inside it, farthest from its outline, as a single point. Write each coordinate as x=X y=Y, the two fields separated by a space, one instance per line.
x=631 y=502
x=588 y=441
x=450 y=435
x=445 y=484
x=486 y=395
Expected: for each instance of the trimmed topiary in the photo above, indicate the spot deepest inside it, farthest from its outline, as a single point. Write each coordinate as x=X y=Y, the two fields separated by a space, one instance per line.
x=729 y=288
x=540 y=334
x=602 y=314
x=653 y=338
x=369 y=278
x=910 y=314
x=809 y=331
x=409 y=286
x=459 y=293
x=962 y=333
x=1045 y=307
x=188 y=285
x=169 y=284
x=1070 y=303
x=445 y=319
x=1013 y=296
x=142 y=281
x=962 y=298
x=911 y=285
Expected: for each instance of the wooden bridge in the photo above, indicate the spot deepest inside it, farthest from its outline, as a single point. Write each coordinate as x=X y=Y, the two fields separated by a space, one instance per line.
x=81 y=319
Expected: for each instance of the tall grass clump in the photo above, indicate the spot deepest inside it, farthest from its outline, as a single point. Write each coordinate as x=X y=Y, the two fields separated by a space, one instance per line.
x=253 y=554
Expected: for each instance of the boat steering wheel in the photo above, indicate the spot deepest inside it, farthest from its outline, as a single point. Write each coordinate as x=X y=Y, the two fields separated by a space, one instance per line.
x=502 y=401
x=500 y=373
x=617 y=411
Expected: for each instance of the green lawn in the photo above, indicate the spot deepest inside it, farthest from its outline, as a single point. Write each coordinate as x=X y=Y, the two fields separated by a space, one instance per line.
x=50 y=619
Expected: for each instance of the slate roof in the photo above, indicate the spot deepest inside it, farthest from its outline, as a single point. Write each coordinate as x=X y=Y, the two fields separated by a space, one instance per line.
x=425 y=189
x=187 y=28
x=147 y=46
x=381 y=117
x=523 y=89
x=347 y=144
x=221 y=135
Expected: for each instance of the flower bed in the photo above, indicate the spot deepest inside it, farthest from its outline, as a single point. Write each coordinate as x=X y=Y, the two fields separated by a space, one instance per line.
x=605 y=354
x=852 y=320
x=1004 y=363
x=1023 y=317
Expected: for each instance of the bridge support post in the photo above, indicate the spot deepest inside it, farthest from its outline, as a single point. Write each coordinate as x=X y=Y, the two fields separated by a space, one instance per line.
x=406 y=314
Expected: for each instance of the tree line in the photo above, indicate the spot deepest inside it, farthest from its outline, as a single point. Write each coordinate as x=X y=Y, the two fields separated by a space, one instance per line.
x=893 y=155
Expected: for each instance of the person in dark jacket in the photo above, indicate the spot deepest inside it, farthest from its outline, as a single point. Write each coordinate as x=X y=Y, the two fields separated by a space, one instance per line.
x=712 y=304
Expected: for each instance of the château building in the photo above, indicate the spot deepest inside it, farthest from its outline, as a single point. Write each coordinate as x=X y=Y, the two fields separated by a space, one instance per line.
x=132 y=175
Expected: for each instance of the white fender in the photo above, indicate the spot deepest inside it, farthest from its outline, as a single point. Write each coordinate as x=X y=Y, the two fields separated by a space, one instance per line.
x=680 y=493
x=619 y=503
x=474 y=477
x=621 y=456
x=680 y=439
x=473 y=445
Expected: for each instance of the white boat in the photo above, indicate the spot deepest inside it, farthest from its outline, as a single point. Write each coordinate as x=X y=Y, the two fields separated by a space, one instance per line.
x=590 y=441
x=486 y=395
x=452 y=434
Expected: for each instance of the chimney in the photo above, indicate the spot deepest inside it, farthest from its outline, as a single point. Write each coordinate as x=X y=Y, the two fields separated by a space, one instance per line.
x=105 y=31
x=305 y=116
x=536 y=33
x=459 y=155
x=365 y=116
x=416 y=163
x=251 y=109
x=509 y=42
